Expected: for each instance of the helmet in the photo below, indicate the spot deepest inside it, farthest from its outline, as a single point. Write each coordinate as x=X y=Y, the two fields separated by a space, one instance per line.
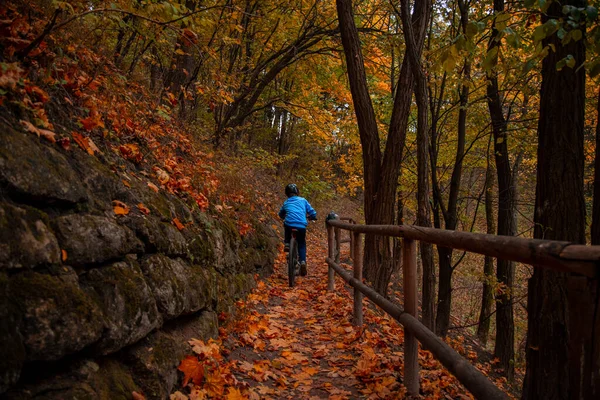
x=291 y=189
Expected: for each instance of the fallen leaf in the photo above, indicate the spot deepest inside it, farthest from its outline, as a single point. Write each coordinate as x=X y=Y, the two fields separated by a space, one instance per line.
x=178 y=224
x=63 y=254
x=198 y=394
x=153 y=186
x=235 y=394
x=162 y=176
x=46 y=134
x=138 y=396
x=143 y=209
x=91 y=122
x=65 y=143
x=207 y=350
x=215 y=383
x=178 y=396
x=83 y=142
x=192 y=370
x=120 y=208
x=131 y=152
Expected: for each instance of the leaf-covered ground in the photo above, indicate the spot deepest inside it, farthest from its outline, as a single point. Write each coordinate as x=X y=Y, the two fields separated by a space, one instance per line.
x=300 y=343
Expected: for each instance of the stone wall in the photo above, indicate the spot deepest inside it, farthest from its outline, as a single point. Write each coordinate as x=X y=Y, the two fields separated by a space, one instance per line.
x=96 y=305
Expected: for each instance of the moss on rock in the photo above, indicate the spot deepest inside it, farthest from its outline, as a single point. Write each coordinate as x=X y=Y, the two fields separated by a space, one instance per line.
x=90 y=239
x=56 y=317
x=25 y=239
x=129 y=307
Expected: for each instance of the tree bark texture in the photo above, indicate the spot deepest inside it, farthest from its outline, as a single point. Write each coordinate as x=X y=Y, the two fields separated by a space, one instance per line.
x=595 y=229
x=504 y=348
x=487 y=295
x=414 y=50
x=562 y=348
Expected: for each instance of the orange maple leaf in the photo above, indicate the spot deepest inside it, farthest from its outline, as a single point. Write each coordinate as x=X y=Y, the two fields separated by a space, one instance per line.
x=178 y=224
x=91 y=122
x=120 y=208
x=131 y=152
x=215 y=383
x=208 y=350
x=85 y=143
x=192 y=370
x=143 y=209
x=235 y=394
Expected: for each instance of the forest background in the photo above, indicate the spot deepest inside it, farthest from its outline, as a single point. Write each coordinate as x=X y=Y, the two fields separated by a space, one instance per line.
x=265 y=83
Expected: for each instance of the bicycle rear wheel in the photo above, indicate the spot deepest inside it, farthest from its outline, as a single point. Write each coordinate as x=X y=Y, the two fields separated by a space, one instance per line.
x=292 y=261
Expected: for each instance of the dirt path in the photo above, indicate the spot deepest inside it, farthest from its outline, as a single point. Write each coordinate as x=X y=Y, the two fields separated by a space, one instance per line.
x=300 y=343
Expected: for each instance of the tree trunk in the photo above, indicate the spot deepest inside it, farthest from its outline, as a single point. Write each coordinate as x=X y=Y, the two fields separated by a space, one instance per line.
x=504 y=348
x=563 y=355
x=595 y=229
x=444 y=306
x=380 y=173
x=414 y=51
x=487 y=296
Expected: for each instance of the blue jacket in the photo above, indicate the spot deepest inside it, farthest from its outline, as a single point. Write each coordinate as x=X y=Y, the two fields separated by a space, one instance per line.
x=294 y=212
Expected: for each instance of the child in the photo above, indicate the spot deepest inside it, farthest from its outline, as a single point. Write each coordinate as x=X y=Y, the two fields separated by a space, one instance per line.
x=293 y=212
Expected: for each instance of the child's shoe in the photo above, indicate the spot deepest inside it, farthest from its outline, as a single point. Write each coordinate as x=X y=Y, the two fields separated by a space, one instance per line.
x=303 y=268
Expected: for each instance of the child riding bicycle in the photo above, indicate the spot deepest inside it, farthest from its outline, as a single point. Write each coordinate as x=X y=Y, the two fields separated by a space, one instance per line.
x=293 y=212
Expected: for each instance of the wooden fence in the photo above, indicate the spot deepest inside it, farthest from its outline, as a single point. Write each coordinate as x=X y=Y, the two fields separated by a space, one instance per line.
x=563 y=256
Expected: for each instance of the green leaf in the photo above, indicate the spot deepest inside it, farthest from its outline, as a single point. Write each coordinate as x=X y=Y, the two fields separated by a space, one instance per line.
x=448 y=61
x=528 y=65
x=491 y=59
x=576 y=34
x=512 y=38
x=460 y=43
x=550 y=26
x=502 y=21
x=472 y=29
x=592 y=13
x=568 y=61
x=539 y=34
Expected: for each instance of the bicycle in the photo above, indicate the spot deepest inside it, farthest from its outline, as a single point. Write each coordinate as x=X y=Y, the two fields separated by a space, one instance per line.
x=293 y=259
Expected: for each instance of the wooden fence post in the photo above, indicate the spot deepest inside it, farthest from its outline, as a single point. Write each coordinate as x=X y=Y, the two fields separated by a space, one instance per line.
x=338 y=243
x=411 y=356
x=331 y=248
x=351 y=242
x=358 y=266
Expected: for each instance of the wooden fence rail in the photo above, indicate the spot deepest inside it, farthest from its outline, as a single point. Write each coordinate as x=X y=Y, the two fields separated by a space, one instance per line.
x=563 y=256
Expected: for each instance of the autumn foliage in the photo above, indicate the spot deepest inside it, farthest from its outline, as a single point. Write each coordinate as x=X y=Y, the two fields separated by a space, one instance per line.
x=77 y=100
x=300 y=342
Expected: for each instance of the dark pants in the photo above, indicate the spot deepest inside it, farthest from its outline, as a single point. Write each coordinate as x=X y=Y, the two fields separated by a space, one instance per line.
x=300 y=238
